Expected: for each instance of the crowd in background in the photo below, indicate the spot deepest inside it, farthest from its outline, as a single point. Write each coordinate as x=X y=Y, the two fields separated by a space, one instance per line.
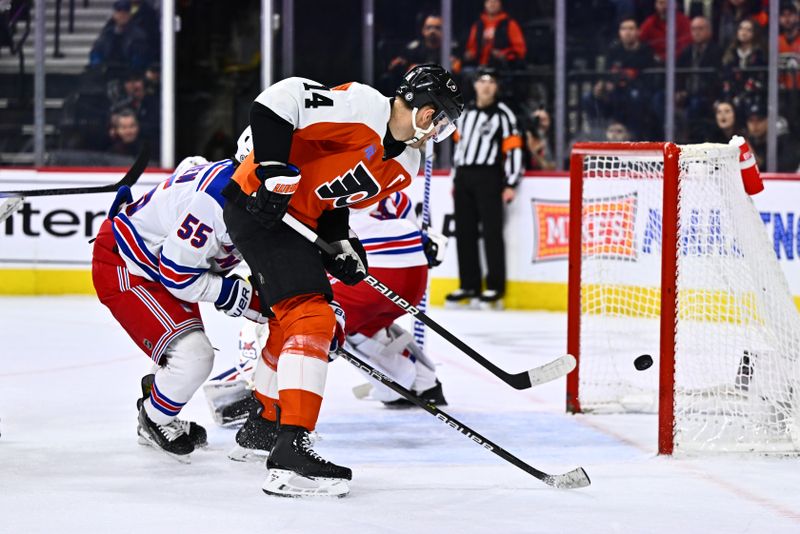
x=615 y=60
x=721 y=60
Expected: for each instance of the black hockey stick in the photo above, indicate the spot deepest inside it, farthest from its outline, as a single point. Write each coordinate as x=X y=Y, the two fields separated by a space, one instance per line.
x=129 y=179
x=577 y=478
x=559 y=367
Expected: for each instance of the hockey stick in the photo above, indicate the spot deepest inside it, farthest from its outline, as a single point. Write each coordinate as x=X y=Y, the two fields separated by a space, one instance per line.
x=539 y=375
x=129 y=179
x=522 y=380
x=419 y=326
x=577 y=478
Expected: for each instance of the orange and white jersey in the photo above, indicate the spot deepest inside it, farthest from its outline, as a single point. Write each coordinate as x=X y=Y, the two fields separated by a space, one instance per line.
x=337 y=145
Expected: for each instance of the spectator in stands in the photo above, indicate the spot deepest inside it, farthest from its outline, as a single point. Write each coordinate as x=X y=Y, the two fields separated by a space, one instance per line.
x=537 y=140
x=125 y=138
x=616 y=132
x=495 y=39
x=732 y=13
x=146 y=106
x=121 y=45
x=625 y=94
x=654 y=31
x=726 y=123
x=425 y=49
x=789 y=46
x=146 y=17
x=742 y=81
x=757 y=126
x=697 y=91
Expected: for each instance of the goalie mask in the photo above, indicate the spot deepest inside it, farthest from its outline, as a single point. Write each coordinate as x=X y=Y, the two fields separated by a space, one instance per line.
x=431 y=84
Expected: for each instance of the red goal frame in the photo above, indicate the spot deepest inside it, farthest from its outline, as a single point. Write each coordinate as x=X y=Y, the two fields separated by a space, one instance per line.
x=669 y=258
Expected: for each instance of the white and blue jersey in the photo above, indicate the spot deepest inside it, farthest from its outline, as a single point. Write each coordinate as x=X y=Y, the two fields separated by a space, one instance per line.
x=390 y=233
x=174 y=234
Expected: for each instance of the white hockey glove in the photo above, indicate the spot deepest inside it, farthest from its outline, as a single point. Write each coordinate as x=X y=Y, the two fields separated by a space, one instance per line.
x=239 y=298
x=349 y=263
x=435 y=246
x=339 y=331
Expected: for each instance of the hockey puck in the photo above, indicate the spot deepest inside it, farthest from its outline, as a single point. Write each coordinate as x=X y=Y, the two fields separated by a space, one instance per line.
x=643 y=362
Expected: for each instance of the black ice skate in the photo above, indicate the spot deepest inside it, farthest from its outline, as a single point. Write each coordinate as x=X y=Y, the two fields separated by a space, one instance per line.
x=461 y=298
x=434 y=396
x=196 y=433
x=491 y=300
x=255 y=439
x=295 y=470
x=170 y=438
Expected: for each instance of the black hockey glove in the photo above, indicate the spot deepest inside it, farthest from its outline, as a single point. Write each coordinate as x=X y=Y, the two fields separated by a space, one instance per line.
x=434 y=246
x=271 y=200
x=349 y=263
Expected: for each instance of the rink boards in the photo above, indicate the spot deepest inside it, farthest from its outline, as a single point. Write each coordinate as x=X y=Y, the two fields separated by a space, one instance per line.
x=44 y=246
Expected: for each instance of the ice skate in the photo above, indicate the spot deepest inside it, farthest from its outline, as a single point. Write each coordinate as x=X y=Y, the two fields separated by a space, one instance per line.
x=196 y=433
x=295 y=470
x=255 y=439
x=170 y=438
x=461 y=299
x=491 y=300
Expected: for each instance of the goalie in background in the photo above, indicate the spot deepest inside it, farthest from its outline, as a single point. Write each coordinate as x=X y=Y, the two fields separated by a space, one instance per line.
x=399 y=253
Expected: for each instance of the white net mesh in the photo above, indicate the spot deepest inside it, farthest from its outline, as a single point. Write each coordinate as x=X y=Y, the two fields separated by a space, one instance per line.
x=737 y=329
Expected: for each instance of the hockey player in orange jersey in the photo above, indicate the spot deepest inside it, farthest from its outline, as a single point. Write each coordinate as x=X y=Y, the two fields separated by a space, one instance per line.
x=316 y=152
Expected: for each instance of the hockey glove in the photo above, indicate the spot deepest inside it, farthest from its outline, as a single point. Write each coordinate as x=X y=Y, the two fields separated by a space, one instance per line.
x=271 y=200
x=434 y=245
x=348 y=263
x=239 y=298
x=338 y=332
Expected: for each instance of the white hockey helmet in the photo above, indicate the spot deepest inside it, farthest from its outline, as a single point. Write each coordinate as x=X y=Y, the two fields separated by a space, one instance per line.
x=188 y=163
x=244 y=145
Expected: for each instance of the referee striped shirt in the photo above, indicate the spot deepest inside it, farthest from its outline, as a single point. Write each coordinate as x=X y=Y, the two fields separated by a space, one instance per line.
x=489 y=137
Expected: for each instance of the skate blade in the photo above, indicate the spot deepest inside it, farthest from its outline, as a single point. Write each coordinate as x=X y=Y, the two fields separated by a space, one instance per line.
x=285 y=483
x=242 y=454
x=181 y=458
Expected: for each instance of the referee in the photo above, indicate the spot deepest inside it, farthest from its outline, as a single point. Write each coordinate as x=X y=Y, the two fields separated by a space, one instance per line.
x=488 y=163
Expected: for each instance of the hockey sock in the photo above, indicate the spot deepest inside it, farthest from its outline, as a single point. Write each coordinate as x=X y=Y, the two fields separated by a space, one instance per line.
x=189 y=360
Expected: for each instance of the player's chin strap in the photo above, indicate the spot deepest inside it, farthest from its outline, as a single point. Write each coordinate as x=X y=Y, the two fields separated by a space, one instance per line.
x=419 y=133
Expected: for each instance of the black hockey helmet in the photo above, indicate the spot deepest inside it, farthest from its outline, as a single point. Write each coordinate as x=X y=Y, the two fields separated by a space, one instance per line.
x=430 y=83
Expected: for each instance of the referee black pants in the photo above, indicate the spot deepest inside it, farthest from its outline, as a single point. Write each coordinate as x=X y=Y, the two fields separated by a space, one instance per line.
x=477 y=196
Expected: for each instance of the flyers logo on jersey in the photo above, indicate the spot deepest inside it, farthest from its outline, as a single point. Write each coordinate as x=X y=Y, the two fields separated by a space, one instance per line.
x=354 y=186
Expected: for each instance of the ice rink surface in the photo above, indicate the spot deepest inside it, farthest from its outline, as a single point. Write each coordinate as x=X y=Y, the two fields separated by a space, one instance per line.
x=70 y=462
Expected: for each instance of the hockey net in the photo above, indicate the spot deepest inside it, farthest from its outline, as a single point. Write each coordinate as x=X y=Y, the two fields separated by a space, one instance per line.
x=714 y=311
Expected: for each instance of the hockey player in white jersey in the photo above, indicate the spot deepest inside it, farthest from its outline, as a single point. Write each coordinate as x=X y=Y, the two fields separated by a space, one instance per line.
x=153 y=261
